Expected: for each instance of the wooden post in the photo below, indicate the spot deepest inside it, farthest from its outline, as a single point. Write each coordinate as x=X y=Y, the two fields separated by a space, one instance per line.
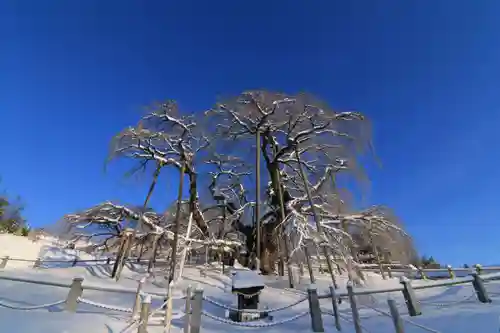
x=381 y=269
x=283 y=217
x=479 y=268
x=422 y=273
x=196 y=308
x=389 y=271
x=153 y=252
x=108 y=261
x=168 y=311
x=137 y=303
x=410 y=298
x=145 y=306
x=128 y=233
x=187 y=310
x=314 y=309
x=309 y=265
x=478 y=285
x=173 y=260
x=317 y=221
x=396 y=318
x=335 y=309
x=185 y=252
x=37 y=263
x=203 y=272
x=450 y=272
x=118 y=255
x=75 y=292
x=4 y=261
x=355 y=313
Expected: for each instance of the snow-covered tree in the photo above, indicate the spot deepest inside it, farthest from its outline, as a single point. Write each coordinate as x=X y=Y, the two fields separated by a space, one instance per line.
x=306 y=147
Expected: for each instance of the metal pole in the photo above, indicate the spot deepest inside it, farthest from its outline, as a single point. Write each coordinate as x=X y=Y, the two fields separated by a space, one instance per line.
x=177 y=223
x=316 y=218
x=257 y=198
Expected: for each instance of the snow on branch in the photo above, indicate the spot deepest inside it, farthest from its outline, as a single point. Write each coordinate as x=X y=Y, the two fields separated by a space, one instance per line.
x=226 y=179
x=161 y=136
x=145 y=145
x=113 y=216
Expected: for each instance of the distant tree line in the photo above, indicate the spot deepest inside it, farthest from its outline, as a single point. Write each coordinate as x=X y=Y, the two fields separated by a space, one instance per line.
x=426 y=262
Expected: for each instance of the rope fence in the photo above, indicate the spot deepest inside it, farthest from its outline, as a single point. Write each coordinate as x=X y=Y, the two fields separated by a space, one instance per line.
x=40 y=262
x=141 y=315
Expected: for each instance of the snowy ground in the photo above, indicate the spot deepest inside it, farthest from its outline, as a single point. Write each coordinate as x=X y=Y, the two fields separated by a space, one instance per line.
x=452 y=309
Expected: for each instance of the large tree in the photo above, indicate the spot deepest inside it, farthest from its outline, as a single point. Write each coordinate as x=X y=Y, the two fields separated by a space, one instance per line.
x=306 y=148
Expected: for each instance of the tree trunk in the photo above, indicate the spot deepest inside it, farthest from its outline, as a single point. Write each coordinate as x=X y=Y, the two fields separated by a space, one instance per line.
x=258 y=228
x=273 y=170
x=177 y=224
x=194 y=205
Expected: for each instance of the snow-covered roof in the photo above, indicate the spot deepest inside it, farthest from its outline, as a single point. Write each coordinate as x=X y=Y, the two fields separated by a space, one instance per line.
x=247 y=279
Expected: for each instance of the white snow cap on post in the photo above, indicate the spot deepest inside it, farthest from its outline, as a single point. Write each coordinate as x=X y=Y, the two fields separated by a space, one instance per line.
x=247 y=279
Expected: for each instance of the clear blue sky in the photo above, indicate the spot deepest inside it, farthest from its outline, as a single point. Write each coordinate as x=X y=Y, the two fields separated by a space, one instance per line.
x=73 y=73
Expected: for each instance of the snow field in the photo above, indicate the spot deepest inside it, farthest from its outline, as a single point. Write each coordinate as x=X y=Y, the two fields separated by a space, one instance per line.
x=452 y=309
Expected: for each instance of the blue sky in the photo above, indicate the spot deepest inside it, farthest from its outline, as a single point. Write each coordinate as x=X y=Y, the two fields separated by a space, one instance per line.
x=73 y=73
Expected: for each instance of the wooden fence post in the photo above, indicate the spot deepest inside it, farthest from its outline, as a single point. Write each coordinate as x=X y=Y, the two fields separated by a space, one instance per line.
x=389 y=271
x=137 y=303
x=335 y=309
x=168 y=311
x=478 y=285
x=450 y=272
x=144 y=318
x=4 y=262
x=410 y=298
x=196 y=307
x=187 y=310
x=314 y=309
x=396 y=318
x=37 y=263
x=422 y=273
x=75 y=292
x=203 y=272
x=151 y=261
x=355 y=313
